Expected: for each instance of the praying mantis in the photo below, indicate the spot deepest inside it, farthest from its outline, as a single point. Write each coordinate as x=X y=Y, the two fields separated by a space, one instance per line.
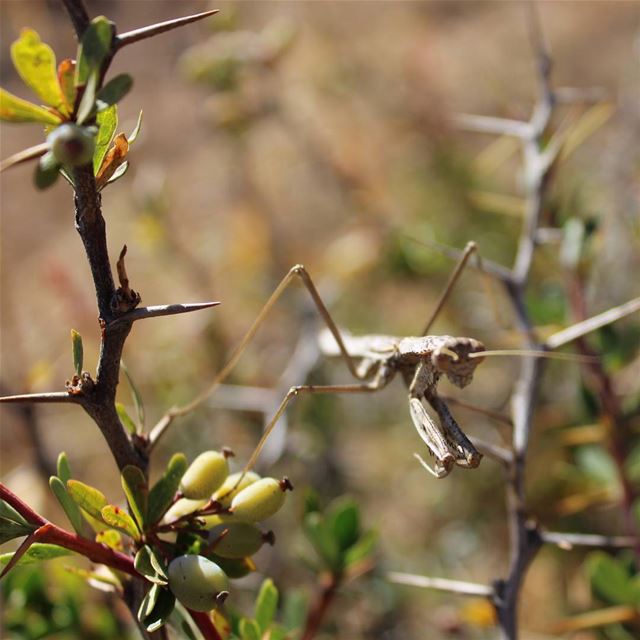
x=373 y=361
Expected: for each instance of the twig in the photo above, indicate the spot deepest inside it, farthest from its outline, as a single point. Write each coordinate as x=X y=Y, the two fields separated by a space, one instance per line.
x=591 y=324
x=78 y=15
x=50 y=533
x=497 y=126
x=155 y=29
x=441 y=584
x=319 y=608
x=569 y=540
x=23 y=156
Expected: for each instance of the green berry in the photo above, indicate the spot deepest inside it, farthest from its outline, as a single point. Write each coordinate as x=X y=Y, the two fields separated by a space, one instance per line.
x=72 y=145
x=225 y=494
x=235 y=568
x=259 y=500
x=238 y=540
x=197 y=582
x=205 y=474
x=182 y=507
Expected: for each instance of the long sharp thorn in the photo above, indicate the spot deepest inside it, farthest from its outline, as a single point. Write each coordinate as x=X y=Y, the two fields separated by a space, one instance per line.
x=591 y=324
x=136 y=35
x=24 y=156
x=162 y=310
x=54 y=397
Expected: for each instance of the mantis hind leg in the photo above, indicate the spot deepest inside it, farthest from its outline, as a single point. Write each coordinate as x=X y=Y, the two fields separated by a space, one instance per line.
x=300 y=272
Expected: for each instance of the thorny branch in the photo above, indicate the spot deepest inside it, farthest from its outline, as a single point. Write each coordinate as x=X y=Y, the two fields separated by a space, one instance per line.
x=525 y=535
x=116 y=316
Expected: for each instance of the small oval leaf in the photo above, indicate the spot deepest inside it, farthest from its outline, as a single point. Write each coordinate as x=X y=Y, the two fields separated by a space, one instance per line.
x=134 y=484
x=112 y=92
x=110 y=538
x=118 y=518
x=266 y=605
x=14 y=109
x=162 y=493
x=94 y=48
x=71 y=509
x=86 y=497
x=47 y=171
x=63 y=467
x=78 y=351
x=35 y=61
x=37 y=552
x=107 y=122
x=126 y=419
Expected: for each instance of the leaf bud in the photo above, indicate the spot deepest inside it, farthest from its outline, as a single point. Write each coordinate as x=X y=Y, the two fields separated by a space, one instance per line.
x=72 y=145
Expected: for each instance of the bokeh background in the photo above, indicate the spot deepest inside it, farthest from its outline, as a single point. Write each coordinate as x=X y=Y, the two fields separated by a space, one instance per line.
x=322 y=133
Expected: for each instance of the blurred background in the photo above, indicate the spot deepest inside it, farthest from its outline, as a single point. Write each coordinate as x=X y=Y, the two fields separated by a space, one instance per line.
x=278 y=133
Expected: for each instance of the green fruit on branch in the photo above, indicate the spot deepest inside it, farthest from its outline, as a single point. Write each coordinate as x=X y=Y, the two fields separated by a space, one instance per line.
x=260 y=500
x=205 y=474
x=197 y=582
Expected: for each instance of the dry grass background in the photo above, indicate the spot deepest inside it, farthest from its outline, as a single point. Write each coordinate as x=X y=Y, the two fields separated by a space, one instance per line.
x=357 y=139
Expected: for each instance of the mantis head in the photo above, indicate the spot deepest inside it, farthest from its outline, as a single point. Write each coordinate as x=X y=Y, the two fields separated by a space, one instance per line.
x=452 y=359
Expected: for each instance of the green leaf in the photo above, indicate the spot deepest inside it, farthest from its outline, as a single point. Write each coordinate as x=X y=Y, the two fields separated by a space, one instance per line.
x=63 y=467
x=277 y=633
x=609 y=578
x=88 y=100
x=343 y=520
x=322 y=539
x=9 y=513
x=135 y=393
x=111 y=538
x=107 y=122
x=149 y=565
x=71 y=509
x=14 y=109
x=136 y=130
x=78 y=352
x=118 y=518
x=597 y=464
x=47 y=171
x=37 y=552
x=112 y=92
x=12 y=524
x=361 y=549
x=94 y=48
x=266 y=604
x=162 y=493
x=86 y=497
x=134 y=484
x=35 y=61
x=249 y=629
x=294 y=610
x=156 y=608
x=148 y=602
x=126 y=419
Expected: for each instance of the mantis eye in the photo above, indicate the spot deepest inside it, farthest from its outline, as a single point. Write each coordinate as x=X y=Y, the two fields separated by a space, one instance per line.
x=452 y=359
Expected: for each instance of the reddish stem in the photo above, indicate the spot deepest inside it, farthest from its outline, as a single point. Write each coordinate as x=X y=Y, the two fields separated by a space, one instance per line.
x=321 y=605
x=205 y=625
x=21 y=507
